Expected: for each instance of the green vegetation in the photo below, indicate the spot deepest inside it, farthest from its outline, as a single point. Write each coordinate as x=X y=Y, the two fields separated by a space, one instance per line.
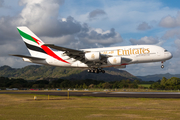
x=64 y=84
x=164 y=84
x=23 y=107
x=167 y=84
x=144 y=85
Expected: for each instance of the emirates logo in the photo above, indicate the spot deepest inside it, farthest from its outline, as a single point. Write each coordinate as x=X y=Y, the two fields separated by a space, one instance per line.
x=92 y=56
x=114 y=61
x=39 y=42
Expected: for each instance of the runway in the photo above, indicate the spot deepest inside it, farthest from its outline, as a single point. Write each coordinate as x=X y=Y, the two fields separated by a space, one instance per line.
x=106 y=94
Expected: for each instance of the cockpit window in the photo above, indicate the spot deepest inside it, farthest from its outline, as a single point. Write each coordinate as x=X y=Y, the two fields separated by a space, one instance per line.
x=165 y=50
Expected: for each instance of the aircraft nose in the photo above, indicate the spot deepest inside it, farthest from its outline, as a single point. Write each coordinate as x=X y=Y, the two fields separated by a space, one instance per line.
x=170 y=55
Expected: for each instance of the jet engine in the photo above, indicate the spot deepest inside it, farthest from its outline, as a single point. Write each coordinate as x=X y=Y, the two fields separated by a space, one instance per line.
x=93 y=56
x=114 y=61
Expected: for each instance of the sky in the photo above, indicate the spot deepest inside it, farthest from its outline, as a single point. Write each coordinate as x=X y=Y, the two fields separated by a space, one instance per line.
x=81 y=24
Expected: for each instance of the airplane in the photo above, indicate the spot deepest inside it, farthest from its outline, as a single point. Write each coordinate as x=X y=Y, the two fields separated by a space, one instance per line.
x=94 y=59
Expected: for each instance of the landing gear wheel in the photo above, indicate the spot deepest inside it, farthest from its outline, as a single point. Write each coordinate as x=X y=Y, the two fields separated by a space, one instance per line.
x=89 y=71
x=103 y=71
x=96 y=71
x=162 y=66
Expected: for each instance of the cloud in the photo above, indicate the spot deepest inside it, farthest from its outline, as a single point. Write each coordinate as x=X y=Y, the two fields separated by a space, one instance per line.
x=177 y=51
x=13 y=62
x=177 y=43
x=8 y=30
x=145 y=40
x=143 y=26
x=13 y=47
x=96 y=13
x=42 y=17
x=24 y=2
x=172 y=33
x=1 y=3
x=170 y=22
x=87 y=38
x=99 y=36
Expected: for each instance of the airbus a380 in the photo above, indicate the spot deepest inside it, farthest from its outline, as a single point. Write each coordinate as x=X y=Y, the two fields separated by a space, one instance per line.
x=94 y=59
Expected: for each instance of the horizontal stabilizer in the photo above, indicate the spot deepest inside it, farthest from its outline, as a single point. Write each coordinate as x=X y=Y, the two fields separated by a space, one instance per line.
x=29 y=57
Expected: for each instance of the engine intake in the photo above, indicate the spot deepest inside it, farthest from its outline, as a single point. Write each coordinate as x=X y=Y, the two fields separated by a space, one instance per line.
x=93 y=56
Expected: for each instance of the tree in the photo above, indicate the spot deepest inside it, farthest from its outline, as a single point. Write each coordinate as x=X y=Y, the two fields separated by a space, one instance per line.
x=16 y=85
x=133 y=85
x=35 y=86
x=84 y=86
x=80 y=86
x=42 y=82
x=4 y=81
x=156 y=85
x=65 y=84
x=136 y=81
x=106 y=85
x=173 y=81
x=163 y=81
x=99 y=85
x=124 y=84
x=76 y=86
x=128 y=81
x=91 y=86
x=116 y=84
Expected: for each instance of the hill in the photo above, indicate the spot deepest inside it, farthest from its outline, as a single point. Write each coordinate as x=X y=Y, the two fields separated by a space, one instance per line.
x=157 y=77
x=37 y=72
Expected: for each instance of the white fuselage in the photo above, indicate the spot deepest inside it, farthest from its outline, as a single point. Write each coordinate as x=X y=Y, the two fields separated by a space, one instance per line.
x=137 y=54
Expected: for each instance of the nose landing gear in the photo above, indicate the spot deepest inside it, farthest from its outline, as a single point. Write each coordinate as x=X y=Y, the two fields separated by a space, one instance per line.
x=162 y=66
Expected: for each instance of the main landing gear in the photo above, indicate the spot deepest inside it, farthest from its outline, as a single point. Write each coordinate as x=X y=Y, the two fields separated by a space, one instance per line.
x=96 y=70
x=162 y=66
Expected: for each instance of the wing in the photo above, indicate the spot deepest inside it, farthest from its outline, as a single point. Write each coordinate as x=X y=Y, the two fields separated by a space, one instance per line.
x=67 y=50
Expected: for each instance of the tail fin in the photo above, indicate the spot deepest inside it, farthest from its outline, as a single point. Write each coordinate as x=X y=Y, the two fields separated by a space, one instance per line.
x=35 y=46
x=32 y=42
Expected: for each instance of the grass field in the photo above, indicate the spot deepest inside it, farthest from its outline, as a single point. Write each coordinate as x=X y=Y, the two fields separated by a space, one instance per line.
x=98 y=90
x=145 y=85
x=23 y=107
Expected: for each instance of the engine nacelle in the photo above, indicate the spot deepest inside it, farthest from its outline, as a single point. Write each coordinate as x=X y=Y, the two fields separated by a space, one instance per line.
x=93 y=56
x=114 y=61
